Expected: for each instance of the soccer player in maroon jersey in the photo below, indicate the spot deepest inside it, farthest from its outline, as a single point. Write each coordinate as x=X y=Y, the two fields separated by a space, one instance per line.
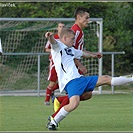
x=52 y=78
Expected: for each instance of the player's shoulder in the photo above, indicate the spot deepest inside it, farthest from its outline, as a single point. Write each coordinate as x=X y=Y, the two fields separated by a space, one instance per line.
x=56 y=36
x=75 y=27
x=74 y=49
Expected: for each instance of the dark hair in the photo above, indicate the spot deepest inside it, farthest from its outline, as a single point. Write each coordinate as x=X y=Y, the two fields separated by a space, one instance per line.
x=80 y=10
x=61 y=22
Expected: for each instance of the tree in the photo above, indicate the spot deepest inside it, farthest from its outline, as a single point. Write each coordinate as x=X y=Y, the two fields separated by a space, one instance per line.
x=117 y=22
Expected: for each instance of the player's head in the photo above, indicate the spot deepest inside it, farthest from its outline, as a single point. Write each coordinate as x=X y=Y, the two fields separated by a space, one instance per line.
x=60 y=26
x=67 y=36
x=82 y=16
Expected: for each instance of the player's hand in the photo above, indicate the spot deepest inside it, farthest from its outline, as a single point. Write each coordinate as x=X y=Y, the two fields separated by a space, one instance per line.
x=99 y=55
x=50 y=37
x=96 y=55
x=48 y=34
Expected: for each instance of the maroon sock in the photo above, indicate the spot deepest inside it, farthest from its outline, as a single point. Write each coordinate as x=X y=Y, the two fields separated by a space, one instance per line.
x=48 y=93
x=64 y=102
x=61 y=98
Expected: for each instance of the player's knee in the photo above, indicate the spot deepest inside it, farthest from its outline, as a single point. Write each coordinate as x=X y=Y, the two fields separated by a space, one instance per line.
x=51 y=84
x=87 y=95
x=106 y=79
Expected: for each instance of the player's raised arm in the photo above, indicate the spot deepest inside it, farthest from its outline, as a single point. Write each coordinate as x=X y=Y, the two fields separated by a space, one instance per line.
x=88 y=54
x=49 y=36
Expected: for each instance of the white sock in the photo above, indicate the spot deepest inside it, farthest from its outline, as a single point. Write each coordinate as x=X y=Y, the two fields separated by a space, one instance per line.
x=120 y=80
x=59 y=116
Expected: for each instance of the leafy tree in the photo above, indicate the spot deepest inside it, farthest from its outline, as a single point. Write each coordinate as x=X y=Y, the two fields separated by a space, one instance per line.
x=117 y=23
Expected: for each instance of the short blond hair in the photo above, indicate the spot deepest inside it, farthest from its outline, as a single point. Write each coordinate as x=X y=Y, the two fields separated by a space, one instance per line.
x=67 y=32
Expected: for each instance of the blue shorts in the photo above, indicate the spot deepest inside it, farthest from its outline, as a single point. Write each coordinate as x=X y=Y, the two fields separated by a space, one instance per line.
x=80 y=85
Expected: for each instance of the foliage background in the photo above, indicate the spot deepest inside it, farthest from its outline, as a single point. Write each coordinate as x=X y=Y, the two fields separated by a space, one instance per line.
x=117 y=23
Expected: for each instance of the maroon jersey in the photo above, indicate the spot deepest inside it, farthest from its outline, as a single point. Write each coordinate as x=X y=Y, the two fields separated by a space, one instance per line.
x=48 y=45
x=52 y=72
x=79 y=37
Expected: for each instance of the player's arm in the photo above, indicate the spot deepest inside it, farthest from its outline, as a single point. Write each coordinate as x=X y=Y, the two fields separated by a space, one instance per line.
x=47 y=47
x=88 y=54
x=80 y=66
x=50 y=37
x=47 y=50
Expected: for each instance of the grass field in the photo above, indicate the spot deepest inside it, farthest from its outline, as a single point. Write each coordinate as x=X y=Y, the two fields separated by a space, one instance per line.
x=101 y=113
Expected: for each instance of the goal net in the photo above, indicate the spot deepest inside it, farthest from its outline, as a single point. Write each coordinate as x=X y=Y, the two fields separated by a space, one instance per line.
x=23 y=40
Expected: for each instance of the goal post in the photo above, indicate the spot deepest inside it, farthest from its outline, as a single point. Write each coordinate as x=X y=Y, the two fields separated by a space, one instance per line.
x=0 y=47
x=26 y=35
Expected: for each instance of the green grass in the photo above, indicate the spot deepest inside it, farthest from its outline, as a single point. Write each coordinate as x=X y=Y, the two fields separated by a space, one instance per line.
x=101 y=113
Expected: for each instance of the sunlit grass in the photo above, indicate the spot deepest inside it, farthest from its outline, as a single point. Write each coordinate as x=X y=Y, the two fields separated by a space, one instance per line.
x=101 y=113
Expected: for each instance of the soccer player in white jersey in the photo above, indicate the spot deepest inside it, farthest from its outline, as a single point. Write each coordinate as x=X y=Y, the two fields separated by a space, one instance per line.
x=69 y=79
x=81 y=16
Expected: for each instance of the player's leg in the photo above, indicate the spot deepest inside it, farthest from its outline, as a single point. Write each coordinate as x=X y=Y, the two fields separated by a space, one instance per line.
x=85 y=96
x=64 y=111
x=49 y=92
x=79 y=85
x=114 y=81
x=61 y=101
x=61 y=98
x=52 y=78
x=59 y=104
x=55 y=87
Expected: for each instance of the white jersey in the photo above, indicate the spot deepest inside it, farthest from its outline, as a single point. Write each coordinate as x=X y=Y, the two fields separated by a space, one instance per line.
x=63 y=58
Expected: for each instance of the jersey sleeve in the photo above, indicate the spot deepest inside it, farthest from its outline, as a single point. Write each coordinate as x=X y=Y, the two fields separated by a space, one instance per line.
x=48 y=45
x=56 y=46
x=79 y=37
x=78 y=53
